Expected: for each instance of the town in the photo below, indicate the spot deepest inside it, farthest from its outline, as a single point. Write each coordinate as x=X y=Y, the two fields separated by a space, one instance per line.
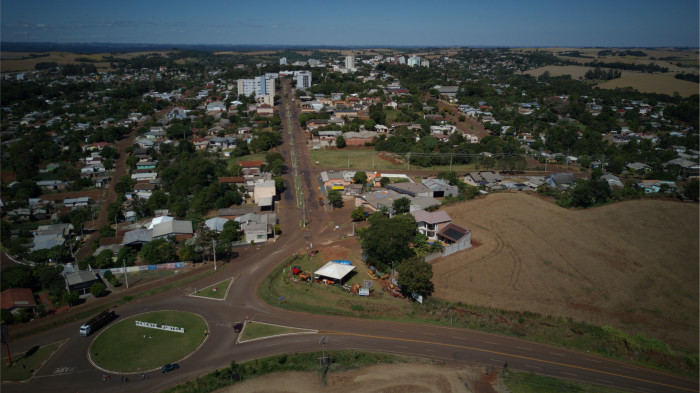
x=116 y=167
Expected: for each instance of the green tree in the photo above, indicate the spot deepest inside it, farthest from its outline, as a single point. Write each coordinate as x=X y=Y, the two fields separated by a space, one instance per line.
x=692 y=189
x=358 y=214
x=98 y=289
x=388 y=240
x=401 y=205
x=335 y=199
x=415 y=276
x=16 y=276
x=340 y=141
x=360 y=177
x=158 y=251
x=384 y=181
x=231 y=232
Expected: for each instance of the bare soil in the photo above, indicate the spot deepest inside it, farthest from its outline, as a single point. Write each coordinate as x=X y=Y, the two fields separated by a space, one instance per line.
x=632 y=265
x=384 y=378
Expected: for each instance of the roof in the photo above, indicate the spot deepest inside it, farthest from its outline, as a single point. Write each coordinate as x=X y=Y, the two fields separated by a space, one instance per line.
x=250 y=164
x=265 y=201
x=235 y=211
x=171 y=228
x=334 y=270
x=453 y=232
x=17 y=297
x=80 y=277
x=159 y=220
x=412 y=189
x=563 y=178
x=216 y=223
x=141 y=235
x=436 y=184
x=232 y=179
x=431 y=218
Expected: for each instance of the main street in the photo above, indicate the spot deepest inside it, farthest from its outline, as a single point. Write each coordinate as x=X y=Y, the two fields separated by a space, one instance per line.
x=69 y=370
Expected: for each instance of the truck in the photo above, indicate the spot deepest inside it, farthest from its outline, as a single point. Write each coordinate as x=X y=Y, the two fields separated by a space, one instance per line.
x=97 y=322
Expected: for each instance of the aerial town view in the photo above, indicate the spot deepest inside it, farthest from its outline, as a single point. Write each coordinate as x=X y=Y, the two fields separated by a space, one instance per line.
x=363 y=197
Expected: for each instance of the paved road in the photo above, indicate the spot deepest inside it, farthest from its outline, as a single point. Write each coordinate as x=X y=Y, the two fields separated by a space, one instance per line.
x=70 y=371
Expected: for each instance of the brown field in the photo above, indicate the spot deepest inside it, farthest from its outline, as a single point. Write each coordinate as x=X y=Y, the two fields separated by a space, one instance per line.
x=653 y=83
x=410 y=377
x=646 y=83
x=20 y=61
x=632 y=265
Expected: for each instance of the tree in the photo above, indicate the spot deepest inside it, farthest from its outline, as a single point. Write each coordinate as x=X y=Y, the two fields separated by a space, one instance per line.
x=401 y=205
x=231 y=233
x=98 y=289
x=360 y=178
x=335 y=199
x=358 y=214
x=388 y=240
x=158 y=251
x=384 y=181
x=692 y=189
x=415 y=276
x=340 y=141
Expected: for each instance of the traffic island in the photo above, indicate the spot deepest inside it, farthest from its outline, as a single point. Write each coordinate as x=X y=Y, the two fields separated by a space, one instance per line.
x=147 y=341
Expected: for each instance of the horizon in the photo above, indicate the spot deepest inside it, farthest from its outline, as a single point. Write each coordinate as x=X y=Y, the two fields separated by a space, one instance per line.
x=445 y=23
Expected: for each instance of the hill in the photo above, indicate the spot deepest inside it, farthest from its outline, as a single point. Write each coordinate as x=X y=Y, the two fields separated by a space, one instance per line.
x=632 y=265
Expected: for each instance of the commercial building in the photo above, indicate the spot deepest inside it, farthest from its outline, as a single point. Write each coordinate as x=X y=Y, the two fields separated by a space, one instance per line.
x=303 y=79
x=350 y=62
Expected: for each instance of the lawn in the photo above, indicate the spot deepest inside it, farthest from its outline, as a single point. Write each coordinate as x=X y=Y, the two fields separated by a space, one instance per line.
x=255 y=330
x=251 y=157
x=127 y=348
x=25 y=364
x=219 y=293
x=368 y=159
x=532 y=383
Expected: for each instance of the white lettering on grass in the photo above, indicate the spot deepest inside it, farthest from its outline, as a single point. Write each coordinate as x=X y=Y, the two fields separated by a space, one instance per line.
x=152 y=325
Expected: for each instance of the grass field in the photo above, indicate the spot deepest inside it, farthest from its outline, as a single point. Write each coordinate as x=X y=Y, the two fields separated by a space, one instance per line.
x=220 y=293
x=255 y=330
x=25 y=364
x=126 y=348
x=632 y=265
x=371 y=160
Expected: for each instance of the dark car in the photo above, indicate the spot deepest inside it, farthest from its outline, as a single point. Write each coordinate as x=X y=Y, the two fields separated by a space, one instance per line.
x=169 y=367
x=238 y=327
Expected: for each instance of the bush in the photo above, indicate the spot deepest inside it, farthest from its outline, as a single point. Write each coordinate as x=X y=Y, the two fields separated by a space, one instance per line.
x=98 y=289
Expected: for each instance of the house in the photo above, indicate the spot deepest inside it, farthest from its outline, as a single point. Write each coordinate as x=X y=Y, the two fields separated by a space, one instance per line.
x=232 y=213
x=336 y=180
x=239 y=180
x=411 y=189
x=487 y=179
x=250 y=167
x=374 y=201
x=264 y=193
x=688 y=168
x=613 y=181
x=361 y=138
x=179 y=228
x=80 y=281
x=453 y=233
x=638 y=166
x=440 y=188
x=137 y=237
x=257 y=227
x=561 y=180
x=144 y=164
x=423 y=203
x=51 y=184
x=654 y=186
x=17 y=298
x=76 y=202
x=429 y=224
x=216 y=106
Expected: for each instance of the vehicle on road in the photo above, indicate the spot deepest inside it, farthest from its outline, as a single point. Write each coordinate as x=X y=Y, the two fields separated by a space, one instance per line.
x=169 y=367
x=97 y=322
x=238 y=327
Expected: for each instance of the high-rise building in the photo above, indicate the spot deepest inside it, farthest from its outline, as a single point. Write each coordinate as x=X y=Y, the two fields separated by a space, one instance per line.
x=303 y=79
x=350 y=62
x=414 y=61
x=259 y=86
x=283 y=61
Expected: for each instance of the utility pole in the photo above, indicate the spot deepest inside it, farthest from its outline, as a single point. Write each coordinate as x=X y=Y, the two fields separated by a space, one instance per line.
x=214 y=250
x=126 y=276
x=450 y=161
x=5 y=339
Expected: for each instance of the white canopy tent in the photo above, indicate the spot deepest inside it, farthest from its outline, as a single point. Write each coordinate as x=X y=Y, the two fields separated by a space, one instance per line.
x=334 y=270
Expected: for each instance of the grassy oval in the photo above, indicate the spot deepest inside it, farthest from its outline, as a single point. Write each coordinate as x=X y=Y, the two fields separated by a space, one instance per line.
x=126 y=348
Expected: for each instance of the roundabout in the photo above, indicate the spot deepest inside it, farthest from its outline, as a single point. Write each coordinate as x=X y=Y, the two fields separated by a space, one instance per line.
x=147 y=341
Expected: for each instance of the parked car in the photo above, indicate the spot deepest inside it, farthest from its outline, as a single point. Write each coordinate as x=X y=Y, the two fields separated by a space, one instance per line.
x=169 y=367
x=238 y=327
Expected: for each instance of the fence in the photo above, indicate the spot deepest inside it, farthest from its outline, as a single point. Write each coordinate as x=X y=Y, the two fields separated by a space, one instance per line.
x=464 y=244
x=134 y=269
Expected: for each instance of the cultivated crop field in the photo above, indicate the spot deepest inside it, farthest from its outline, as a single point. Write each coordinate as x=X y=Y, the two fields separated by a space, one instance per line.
x=632 y=265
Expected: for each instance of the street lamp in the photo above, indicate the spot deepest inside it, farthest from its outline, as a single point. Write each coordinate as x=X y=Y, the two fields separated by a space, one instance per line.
x=214 y=250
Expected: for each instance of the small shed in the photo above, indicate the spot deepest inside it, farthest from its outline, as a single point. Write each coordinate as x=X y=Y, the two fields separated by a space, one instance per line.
x=334 y=271
x=81 y=281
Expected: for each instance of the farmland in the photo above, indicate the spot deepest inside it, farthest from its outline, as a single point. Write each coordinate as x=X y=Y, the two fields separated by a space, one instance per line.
x=632 y=265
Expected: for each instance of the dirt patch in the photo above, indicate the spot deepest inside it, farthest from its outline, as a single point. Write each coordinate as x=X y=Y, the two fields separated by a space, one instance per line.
x=385 y=378
x=633 y=265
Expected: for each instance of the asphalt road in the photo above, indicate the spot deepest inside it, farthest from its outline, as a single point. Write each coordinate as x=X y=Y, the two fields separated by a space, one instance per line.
x=69 y=369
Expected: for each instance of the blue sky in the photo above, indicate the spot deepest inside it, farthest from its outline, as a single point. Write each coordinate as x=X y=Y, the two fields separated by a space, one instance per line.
x=641 y=23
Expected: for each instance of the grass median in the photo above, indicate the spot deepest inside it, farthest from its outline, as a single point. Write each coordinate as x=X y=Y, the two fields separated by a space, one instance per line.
x=25 y=364
x=255 y=330
x=125 y=347
x=216 y=291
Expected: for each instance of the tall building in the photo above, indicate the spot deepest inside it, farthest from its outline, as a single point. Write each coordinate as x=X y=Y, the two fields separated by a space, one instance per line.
x=413 y=61
x=303 y=79
x=283 y=61
x=350 y=62
x=259 y=86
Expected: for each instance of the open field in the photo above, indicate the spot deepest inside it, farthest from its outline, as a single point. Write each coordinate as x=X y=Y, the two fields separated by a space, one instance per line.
x=646 y=83
x=632 y=265
x=368 y=160
x=26 y=61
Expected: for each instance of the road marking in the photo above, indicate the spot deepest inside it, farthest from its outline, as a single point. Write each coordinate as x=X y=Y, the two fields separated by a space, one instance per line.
x=564 y=372
x=596 y=361
x=401 y=346
x=489 y=342
x=63 y=370
x=558 y=354
x=270 y=345
x=531 y=366
x=527 y=349
x=459 y=338
x=513 y=356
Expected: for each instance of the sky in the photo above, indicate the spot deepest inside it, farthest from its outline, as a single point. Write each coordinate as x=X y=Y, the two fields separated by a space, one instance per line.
x=611 y=23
